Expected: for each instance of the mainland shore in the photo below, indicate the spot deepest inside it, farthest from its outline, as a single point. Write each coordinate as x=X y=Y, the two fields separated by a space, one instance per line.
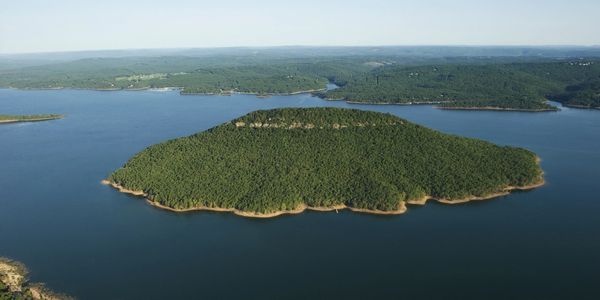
x=581 y=106
x=257 y=94
x=434 y=103
x=266 y=95
x=495 y=108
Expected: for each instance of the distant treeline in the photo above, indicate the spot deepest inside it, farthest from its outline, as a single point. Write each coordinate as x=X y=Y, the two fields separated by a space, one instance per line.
x=585 y=94
x=514 y=86
x=493 y=82
x=221 y=75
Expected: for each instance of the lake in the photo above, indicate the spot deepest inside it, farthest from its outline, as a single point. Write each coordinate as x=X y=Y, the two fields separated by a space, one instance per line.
x=92 y=242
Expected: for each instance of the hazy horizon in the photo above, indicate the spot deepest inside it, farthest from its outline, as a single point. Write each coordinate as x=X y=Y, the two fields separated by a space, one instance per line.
x=158 y=49
x=71 y=26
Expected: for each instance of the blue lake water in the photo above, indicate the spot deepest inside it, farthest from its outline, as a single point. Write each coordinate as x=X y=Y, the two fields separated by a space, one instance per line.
x=92 y=242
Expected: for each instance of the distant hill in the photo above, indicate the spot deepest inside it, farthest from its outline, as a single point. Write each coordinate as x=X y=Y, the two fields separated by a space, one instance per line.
x=524 y=86
x=515 y=78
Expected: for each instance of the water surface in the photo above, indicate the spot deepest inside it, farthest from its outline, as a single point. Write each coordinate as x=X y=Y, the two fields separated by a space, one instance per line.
x=88 y=240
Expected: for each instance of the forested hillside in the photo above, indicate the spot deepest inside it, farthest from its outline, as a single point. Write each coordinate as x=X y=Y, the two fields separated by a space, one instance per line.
x=515 y=86
x=221 y=75
x=522 y=83
x=585 y=95
x=279 y=160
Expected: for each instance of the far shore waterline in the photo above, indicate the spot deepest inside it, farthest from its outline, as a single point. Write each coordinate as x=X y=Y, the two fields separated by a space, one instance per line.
x=494 y=108
x=169 y=89
x=432 y=103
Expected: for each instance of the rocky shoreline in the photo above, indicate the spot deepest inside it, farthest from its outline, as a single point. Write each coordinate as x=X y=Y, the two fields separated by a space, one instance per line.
x=14 y=284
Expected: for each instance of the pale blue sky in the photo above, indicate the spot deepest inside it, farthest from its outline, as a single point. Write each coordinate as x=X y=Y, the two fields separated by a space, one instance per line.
x=58 y=25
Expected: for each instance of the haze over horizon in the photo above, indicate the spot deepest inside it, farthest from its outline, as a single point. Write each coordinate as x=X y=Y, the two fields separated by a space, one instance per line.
x=68 y=25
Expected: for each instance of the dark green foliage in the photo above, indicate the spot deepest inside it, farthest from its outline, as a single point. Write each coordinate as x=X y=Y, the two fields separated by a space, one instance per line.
x=256 y=80
x=522 y=83
x=276 y=160
x=221 y=75
x=516 y=86
x=586 y=94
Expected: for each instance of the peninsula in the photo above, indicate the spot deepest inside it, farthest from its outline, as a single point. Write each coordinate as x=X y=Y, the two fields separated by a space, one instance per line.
x=28 y=118
x=274 y=162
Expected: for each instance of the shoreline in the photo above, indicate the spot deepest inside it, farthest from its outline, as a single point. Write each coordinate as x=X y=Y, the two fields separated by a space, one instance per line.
x=170 y=89
x=257 y=94
x=8 y=121
x=434 y=104
x=580 y=106
x=422 y=201
x=504 y=192
x=266 y=95
x=13 y=275
x=494 y=108
x=297 y=210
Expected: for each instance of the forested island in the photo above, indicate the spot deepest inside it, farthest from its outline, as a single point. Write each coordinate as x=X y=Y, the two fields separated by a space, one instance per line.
x=281 y=161
x=14 y=284
x=28 y=118
x=450 y=77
